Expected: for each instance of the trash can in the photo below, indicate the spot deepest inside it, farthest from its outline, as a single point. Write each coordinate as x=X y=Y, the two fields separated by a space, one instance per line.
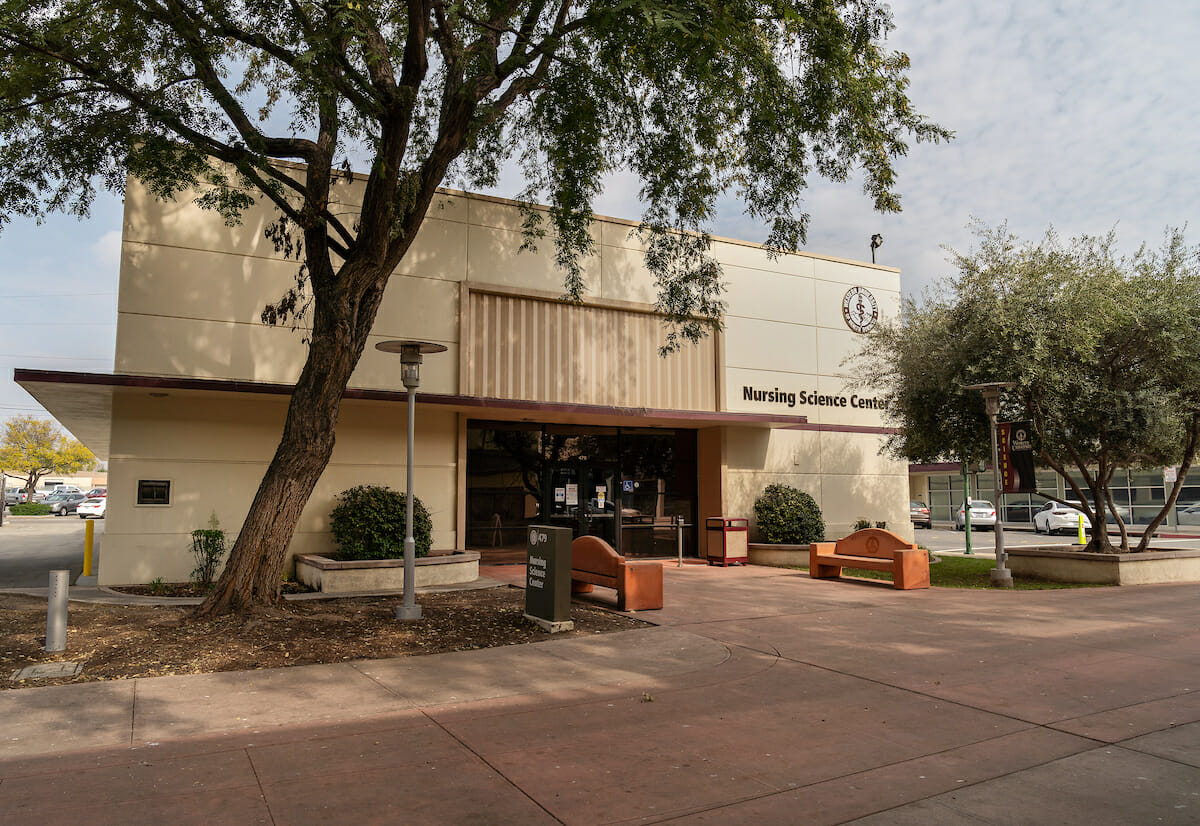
x=728 y=540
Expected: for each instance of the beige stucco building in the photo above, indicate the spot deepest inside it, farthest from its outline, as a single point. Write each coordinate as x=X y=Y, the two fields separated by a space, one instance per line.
x=539 y=411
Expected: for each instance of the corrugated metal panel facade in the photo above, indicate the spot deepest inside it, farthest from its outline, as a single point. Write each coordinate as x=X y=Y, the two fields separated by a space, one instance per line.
x=550 y=351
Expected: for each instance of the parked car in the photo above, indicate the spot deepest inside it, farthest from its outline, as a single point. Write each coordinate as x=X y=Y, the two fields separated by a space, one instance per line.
x=96 y=492
x=93 y=506
x=983 y=515
x=1055 y=517
x=918 y=512
x=18 y=496
x=1188 y=514
x=63 y=503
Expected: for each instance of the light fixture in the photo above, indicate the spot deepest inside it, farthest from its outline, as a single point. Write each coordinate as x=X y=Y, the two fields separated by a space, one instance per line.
x=1001 y=576
x=876 y=243
x=411 y=356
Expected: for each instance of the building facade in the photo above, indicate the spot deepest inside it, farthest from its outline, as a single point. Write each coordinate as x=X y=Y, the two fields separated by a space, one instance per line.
x=538 y=412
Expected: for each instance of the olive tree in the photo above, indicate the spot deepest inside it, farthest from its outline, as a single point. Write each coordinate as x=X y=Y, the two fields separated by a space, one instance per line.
x=694 y=97
x=1103 y=350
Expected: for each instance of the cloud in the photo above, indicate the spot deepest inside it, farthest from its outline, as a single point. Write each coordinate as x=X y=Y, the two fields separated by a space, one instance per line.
x=107 y=251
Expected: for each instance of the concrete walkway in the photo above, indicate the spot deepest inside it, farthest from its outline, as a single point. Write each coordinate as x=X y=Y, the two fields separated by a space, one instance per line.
x=762 y=696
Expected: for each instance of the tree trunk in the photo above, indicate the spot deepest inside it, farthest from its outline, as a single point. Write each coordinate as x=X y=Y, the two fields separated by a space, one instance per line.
x=253 y=574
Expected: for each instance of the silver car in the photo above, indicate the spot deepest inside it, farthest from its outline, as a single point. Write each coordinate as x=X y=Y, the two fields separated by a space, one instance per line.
x=63 y=503
x=983 y=515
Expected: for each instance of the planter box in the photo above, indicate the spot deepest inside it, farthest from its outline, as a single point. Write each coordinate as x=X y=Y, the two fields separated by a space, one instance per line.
x=1106 y=569
x=331 y=576
x=778 y=556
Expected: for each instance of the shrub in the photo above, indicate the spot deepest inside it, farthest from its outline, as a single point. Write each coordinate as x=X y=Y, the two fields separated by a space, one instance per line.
x=368 y=523
x=881 y=525
x=208 y=547
x=29 y=509
x=788 y=516
x=861 y=523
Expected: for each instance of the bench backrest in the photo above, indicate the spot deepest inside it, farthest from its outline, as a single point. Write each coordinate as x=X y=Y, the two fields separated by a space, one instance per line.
x=594 y=555
x=873 y=542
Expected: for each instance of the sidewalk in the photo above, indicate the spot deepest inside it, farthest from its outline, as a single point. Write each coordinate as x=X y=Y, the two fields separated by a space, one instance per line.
x=762 y=696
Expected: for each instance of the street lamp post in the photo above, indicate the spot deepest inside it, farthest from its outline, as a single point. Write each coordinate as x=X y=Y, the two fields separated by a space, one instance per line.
x=1001 y=576
x=411 y=353
x=966 y=508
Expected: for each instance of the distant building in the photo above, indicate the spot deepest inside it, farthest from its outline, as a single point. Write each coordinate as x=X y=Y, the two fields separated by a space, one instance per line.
x=1138 y=494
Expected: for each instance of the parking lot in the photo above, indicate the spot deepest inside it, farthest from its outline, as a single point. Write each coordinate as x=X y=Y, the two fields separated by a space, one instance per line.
x=32 y=546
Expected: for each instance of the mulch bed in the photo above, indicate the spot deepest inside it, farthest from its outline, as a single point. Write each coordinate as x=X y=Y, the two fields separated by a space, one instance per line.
x=115 y=642
x=191 y=589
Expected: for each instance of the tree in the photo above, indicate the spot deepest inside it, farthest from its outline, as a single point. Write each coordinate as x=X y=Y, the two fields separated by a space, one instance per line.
x=34 y=448
x=1103 y=349
x=695 y=97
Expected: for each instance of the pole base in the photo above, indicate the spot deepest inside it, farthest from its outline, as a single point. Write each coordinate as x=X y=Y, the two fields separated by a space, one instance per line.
x=405 y=613
x=1001 y=578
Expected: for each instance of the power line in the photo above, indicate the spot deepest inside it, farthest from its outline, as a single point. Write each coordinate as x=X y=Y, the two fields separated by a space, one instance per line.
x=59 y=297
x=62 y=358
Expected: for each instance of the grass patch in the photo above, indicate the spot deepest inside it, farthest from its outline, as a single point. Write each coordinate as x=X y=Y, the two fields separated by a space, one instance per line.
x=963 y=572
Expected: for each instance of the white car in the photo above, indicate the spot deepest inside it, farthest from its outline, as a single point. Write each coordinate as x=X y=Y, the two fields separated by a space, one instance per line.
x=1055 y=516
x=983 y=515
x=92 y=507
x=1188 y=515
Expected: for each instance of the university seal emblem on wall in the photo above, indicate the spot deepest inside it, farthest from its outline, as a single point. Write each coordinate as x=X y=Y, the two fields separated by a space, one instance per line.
x=859 y=309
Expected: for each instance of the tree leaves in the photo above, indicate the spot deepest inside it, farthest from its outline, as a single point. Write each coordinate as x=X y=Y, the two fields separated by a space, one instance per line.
x=1103 y=349
x=34 y=448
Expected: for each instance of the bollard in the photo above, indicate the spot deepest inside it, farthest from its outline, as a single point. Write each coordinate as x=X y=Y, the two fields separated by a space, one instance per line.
x=1082 y=539
x=56 y=611
x=89 y=537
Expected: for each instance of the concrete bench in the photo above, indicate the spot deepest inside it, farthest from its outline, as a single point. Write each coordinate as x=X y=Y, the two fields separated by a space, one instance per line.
x=871 y=549
x=639 y=585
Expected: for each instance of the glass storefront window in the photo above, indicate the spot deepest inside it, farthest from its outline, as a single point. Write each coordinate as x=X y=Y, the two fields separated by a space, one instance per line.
x=1145 y=478
x=628 y=486
x=504 y=486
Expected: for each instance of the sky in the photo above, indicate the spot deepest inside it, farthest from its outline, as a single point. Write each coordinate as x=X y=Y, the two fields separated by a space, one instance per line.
x=1073 y=114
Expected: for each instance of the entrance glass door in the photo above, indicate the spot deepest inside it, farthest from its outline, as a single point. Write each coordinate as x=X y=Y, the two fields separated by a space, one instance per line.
x=581 y=478
x=581 y=497
x=630 y=486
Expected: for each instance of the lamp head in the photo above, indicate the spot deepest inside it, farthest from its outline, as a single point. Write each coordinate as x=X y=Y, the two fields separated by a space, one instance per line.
x=411 y=355
x=991 y=394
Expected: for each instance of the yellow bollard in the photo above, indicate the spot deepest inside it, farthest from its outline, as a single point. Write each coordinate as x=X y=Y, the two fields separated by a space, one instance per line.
x=1082 y=538
x=89 y=535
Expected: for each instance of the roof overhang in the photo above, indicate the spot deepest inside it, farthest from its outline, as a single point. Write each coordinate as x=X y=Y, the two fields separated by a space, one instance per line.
x=82 y=402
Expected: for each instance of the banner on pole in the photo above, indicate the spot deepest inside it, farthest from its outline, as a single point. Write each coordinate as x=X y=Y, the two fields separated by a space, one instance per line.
x=1016 y=457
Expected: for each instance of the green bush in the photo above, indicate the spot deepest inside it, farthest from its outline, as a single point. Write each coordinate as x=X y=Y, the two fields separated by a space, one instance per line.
x=861 y=524
x=788 y=516
x=208 y=547
x=368 y=523
x=29 y=509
